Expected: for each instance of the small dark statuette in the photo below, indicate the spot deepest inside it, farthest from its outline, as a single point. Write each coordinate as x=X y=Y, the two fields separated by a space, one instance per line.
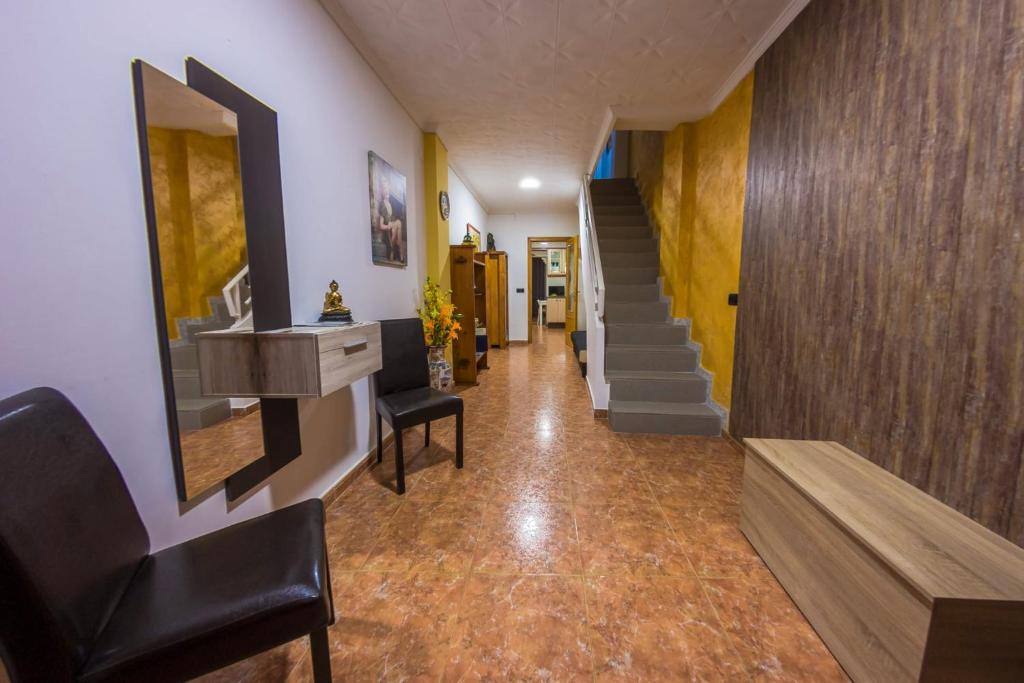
x=490 y=242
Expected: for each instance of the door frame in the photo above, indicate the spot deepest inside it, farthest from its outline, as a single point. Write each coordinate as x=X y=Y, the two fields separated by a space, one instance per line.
x=570 y=250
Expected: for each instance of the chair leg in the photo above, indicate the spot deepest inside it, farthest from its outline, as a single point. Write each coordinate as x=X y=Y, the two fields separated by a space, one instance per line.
x=426 y=437
x=458 y=440
x=399 y=462
x=320 y=651
x=380 y=440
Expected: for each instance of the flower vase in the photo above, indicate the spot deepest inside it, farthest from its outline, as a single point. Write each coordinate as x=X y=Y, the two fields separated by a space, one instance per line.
x=440 y=369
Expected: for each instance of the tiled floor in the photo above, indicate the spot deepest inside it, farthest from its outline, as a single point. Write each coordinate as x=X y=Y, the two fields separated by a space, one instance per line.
x=562 y=551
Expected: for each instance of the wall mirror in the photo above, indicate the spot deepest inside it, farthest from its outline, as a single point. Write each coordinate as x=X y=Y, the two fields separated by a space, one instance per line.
x=203 y=281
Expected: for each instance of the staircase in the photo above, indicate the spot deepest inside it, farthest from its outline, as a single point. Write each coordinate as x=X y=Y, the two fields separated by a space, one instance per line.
x=649 y=363
x=194 y=410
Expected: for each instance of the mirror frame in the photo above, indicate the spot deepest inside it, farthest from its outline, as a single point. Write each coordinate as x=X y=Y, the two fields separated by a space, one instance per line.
x=260 y=165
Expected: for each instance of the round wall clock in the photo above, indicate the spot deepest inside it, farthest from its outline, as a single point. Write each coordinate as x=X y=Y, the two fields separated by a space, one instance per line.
x=446 y=206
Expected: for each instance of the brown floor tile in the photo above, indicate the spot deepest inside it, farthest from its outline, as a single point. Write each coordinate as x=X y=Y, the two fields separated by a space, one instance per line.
x=686 y=481
x=772 y=637
x=438 y=478
x=352 y=527
x=544 y=477
x=393 y=627
x=657 y=629
x=712 y=539
x=528 y=538
x=607 y=479
x=521 y=628
x=267 y=667
x=628 y=538
x=435 y=536
x=549 y=493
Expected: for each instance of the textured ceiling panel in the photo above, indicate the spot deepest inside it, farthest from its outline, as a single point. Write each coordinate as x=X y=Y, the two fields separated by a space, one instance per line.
x=524 y=87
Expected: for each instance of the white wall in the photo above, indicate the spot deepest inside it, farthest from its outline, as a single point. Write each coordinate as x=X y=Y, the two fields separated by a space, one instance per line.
x=74 y=268
x=466 y=208
x=510 y=235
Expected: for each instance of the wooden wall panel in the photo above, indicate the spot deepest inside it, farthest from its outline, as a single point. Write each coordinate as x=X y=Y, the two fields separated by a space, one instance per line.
x=882 y=275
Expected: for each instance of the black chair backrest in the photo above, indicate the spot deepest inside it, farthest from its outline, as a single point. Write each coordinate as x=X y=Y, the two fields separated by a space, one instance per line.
x=404 y=355
x=70 y=536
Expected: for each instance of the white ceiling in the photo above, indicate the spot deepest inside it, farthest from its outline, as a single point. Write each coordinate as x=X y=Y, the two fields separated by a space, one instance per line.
x=172 y=104
x=522 y=88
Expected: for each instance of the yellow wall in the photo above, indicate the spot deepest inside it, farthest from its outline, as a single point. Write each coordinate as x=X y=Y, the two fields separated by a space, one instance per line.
x=696 y=200
x=435 y=180
x=197 y=192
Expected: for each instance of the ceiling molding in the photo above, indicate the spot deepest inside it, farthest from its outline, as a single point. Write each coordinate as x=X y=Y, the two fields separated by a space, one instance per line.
x=607 y=126
x=355 y=37
x=784 y=19
x=469 y=186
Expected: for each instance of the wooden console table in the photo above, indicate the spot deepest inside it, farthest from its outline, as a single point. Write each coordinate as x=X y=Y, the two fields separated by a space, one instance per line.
x=294 y=362
x=899 y=586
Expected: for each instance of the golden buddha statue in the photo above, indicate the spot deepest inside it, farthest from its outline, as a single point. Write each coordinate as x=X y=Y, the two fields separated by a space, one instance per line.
x=334 y=308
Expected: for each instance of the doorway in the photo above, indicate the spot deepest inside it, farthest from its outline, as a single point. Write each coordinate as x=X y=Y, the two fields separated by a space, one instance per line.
x=552 y=287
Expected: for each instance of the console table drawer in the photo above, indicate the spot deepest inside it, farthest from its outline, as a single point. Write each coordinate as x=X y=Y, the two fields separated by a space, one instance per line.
x=294 y=362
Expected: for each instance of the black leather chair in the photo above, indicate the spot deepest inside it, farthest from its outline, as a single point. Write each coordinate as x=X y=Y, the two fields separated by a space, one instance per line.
x=81 y=597
x=404 y=395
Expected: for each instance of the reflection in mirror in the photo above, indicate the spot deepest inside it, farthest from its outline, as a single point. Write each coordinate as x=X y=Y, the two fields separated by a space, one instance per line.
x=203 y=257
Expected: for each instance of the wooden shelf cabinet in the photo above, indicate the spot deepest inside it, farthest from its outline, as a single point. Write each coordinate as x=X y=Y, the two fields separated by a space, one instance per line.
x=469 y=294
x=555 y=310
x=496 y=267
x=293 y=362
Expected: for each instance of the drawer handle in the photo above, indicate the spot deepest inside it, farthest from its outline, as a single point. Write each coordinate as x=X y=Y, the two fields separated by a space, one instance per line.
x=354 y=347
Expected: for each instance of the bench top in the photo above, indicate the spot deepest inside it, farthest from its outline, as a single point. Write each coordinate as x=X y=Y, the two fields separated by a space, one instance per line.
x=937 y=550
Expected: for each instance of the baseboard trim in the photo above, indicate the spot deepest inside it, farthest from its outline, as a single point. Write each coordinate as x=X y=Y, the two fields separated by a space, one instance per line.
x=600 y=413
x=737 y=444
x=518 y=342
x=333 y=493
x=246 y=410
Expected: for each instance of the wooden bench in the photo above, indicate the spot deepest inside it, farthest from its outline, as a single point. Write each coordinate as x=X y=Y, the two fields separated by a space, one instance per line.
x=898 y=585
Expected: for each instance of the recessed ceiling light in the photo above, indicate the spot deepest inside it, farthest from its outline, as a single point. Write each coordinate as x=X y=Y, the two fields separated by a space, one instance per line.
x=529 y=183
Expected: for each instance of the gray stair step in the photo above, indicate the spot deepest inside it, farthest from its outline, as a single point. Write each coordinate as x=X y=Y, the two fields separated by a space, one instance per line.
x=602 y=220
x=612 y=185
x=649 y=357
x=635 y=311
x=621 y=210
x=655 y=417
x=219 y=309
x=612 y=245
x=186 y=384
x=629 y=276
x=647 y=334
x=625 y=196
x=193 y=329
x=199 y=413
x=657 y=385
x=629 y=259
x=184 y=357
x=643 y=292
x=625 y=232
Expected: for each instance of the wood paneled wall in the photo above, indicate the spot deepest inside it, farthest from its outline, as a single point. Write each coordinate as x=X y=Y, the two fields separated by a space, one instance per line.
x=882 y=275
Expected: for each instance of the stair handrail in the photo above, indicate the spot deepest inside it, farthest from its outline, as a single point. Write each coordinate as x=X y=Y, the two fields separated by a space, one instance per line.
x=593 y=249
x=232 y=292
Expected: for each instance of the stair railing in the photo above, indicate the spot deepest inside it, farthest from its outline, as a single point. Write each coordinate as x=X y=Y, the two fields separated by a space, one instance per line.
x=240 y=310
x=593 y=250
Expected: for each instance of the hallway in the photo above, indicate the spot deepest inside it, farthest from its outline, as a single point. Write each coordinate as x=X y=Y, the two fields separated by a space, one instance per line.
x=562 y=551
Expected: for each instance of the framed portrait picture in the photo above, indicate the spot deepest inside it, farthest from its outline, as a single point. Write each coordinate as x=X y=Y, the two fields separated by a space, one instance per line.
x=389 y=231
x=475 y=234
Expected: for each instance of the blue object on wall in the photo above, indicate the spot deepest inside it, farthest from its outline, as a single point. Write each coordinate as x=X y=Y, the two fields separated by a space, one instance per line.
x=605 y=167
